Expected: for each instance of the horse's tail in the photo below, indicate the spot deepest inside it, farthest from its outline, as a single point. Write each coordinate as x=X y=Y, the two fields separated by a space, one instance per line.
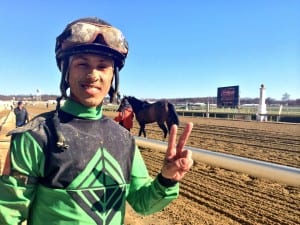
x=173 y=117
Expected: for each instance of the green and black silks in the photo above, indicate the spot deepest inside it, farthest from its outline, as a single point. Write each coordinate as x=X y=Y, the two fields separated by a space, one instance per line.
x=87 y=183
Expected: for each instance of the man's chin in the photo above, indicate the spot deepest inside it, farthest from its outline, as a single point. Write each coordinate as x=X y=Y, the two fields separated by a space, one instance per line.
x=92 y=103
x=89 y=102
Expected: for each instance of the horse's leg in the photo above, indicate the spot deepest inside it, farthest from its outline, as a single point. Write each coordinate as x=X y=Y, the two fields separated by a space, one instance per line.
x=164 y=128
x=142 y=130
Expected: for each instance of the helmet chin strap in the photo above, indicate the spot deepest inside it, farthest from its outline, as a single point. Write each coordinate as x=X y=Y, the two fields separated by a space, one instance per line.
x=114 y=89
x=64 y=85
x=61 y=141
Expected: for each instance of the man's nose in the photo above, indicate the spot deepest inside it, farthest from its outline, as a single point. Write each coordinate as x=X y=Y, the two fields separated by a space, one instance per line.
x=93 y=76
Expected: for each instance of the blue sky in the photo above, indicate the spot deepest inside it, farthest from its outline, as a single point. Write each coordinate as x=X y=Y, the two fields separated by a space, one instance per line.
x=177 y=48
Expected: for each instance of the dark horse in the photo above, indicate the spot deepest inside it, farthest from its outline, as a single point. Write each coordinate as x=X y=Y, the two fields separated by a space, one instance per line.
x=161 y=112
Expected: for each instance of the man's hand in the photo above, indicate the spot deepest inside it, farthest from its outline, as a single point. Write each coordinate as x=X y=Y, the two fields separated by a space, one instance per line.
x=177 y=161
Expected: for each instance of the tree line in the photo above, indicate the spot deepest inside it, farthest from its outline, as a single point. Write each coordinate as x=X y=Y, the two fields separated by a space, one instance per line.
x=210 y=100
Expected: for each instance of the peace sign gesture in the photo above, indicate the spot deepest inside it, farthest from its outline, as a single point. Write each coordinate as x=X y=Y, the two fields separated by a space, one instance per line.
x=178 y=160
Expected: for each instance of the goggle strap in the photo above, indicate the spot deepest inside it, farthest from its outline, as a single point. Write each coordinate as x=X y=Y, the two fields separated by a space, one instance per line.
x=61 y=38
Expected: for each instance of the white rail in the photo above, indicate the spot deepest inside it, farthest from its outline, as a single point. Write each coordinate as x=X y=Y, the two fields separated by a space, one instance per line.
x=279 y=173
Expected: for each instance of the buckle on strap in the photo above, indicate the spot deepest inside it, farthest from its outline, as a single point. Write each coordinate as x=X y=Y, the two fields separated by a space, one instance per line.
x=25 y=179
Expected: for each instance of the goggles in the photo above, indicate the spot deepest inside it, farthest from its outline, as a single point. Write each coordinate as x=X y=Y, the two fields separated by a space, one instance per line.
x=87 y=33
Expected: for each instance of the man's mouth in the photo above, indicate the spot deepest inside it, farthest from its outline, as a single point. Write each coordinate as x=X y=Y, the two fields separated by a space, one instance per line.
x=91 y=89
x=86 y=86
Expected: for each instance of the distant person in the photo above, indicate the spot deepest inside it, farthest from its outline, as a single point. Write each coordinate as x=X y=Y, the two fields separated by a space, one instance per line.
x=21 y=114
x=125 y=115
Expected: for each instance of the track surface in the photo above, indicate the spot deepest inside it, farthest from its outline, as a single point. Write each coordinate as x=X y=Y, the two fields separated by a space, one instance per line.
x=211 y=195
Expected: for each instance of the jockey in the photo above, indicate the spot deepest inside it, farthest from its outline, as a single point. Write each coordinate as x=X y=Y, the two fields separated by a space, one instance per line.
x=74 y=165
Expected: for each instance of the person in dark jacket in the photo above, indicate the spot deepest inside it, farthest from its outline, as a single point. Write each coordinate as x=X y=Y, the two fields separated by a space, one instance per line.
x=21 y=114
x=76 y=166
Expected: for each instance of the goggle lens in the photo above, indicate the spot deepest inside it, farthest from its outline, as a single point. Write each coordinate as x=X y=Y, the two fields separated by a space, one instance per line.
x=94 y=33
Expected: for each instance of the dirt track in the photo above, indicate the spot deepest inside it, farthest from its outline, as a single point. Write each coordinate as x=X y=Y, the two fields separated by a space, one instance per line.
x=211 y=195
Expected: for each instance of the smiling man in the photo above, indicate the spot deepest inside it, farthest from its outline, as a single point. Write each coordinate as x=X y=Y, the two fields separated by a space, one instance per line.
x=90 y=78
x=76 y=166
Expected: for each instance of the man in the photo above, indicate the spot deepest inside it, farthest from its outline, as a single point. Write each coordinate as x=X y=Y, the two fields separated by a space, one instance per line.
x=76 y=166
x=125 y=115
x=21 y=114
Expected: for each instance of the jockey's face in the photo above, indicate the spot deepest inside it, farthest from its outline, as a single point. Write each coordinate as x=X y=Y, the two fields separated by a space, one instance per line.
x=90 y=78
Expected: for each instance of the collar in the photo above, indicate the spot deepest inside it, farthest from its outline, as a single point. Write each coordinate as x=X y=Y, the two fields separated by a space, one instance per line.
x=78 y=110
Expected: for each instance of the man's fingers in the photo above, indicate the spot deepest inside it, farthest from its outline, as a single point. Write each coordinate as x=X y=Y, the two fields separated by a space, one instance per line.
x=171 y=150
x=184 y=136
x=186 y=154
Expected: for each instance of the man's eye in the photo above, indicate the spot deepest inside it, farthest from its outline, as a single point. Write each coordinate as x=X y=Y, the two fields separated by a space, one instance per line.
x=102 y=67
x=81 y=64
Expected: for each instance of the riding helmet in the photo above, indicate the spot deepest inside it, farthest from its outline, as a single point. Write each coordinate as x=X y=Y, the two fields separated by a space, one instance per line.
x=90 y=35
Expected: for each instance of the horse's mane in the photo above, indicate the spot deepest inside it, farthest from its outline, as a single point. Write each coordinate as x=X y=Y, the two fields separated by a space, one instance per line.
x=137 y=103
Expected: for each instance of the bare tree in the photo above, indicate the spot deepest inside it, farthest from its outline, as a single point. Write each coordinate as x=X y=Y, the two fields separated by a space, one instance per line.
x=285 y=97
